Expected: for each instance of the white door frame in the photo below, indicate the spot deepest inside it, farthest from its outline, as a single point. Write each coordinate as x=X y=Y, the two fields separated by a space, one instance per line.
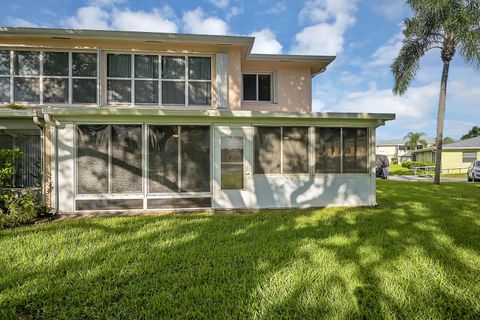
x=233 y=198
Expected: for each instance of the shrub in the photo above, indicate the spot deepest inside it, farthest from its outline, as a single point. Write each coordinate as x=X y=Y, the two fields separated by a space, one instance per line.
x=394 y=160
x=18 y=206
x=410 y=164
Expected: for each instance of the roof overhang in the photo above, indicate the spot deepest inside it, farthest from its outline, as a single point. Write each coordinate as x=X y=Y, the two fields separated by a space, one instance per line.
x=378 y=118
x=317 y=64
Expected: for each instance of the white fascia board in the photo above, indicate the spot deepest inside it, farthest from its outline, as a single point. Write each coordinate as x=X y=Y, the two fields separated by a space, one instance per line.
x=214 y=113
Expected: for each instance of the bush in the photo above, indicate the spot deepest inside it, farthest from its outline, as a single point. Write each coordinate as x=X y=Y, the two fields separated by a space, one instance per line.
x=394 y=160
x=18 y=206
x=410 y=164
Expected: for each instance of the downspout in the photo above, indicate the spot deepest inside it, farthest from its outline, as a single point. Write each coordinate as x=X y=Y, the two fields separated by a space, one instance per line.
x=36 y=120
x=52 y=123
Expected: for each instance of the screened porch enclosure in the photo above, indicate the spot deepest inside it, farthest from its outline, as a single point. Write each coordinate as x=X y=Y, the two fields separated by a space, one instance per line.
x=138 y=166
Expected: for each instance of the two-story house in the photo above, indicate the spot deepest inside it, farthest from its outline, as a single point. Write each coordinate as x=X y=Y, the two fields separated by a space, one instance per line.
x=155 y=121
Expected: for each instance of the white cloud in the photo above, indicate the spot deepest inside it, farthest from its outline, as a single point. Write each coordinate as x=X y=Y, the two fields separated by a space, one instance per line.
x=104 y=3
x=278 y=8
x=19 y=22
x=389 y=51
x=219 y=3
x=234 y=11
x=94 y=17
x=414 y=105
x=392 y=9
x=156 y=20
x=90 y=18
x=195 y=21
x=330 y=20
x=266 y=42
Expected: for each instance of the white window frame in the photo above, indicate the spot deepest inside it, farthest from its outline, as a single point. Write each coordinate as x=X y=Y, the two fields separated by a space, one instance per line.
x=42 y=77
x=257 y=73
x=160 y=79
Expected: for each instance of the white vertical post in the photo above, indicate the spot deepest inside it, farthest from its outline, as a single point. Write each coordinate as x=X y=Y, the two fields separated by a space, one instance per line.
x=222 y=80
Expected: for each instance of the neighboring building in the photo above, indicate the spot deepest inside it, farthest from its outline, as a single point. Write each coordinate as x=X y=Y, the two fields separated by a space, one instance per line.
x=456 y=155
x=396 y=149
x=153 y=121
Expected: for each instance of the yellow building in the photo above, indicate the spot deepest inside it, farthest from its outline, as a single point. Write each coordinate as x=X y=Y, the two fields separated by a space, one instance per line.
x=458 y=155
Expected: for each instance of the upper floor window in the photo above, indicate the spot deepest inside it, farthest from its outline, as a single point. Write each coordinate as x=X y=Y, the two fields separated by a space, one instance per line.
x=48 y=77
x=158 y=80
x=257 y=87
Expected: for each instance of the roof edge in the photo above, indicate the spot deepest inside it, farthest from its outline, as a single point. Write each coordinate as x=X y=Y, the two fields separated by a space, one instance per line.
x=70 y=111
x=126 y=35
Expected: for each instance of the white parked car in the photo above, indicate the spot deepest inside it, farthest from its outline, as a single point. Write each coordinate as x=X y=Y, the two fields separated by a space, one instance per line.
x=473 y=172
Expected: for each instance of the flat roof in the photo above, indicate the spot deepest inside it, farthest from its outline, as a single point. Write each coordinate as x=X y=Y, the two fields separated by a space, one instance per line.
x=318 y=62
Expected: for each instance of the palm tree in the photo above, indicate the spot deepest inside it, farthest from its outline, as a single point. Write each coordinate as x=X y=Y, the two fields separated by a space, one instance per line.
x=448 y=25
x=415 y=139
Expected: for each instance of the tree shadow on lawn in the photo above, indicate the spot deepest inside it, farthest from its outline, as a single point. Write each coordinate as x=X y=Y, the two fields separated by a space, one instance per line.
x=416 y=255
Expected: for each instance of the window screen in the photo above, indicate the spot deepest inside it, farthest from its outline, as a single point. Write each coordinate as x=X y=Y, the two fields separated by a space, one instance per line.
x=146 y=66
x=84 y=64
x=173 y=92
x=27 y=89
x=264 y=87
x=173 y=67
x=26 y=63
x=355 y=146
x=250 y=87
x=55 y=90
x=295 y=150
x=267 y=150
x=163 y=159
x=199 y=68
x=195 y=158
x=84 y=90
x=119 y=91
x=146 y=91
x=55 y=64
x=468 y=157
x=199 y=93
x=327 y=150
x=119 y=66
x=4 y=89
x=4 y=62
x=92 y=159
x=126 y=158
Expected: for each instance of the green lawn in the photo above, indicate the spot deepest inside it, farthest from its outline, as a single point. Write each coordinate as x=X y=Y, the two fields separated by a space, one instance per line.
x=398 y=170
x=417 y=255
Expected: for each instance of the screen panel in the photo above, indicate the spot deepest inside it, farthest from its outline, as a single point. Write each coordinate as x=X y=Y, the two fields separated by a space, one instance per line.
x=92 y=159
x=195 y=158
x=327 y=150
x=295 y=150
x=163 y=159
x=126 y=158
x=355 y=148
x=267 y=150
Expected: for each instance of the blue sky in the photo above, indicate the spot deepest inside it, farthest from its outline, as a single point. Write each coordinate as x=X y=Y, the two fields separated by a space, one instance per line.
x=365 y=36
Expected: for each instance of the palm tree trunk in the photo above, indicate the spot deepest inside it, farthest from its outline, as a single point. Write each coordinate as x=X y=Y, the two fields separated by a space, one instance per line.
x=440 y=120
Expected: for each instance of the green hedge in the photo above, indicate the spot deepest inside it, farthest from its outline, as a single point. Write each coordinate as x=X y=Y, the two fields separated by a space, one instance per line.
x=410 y=164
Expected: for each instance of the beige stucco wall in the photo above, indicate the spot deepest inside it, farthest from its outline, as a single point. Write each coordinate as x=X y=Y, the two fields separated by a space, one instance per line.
x=294 y=86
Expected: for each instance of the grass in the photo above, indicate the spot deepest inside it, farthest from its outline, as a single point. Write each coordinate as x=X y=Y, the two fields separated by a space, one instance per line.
x=416 y=255
x=398 y=170
x=455 y=175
